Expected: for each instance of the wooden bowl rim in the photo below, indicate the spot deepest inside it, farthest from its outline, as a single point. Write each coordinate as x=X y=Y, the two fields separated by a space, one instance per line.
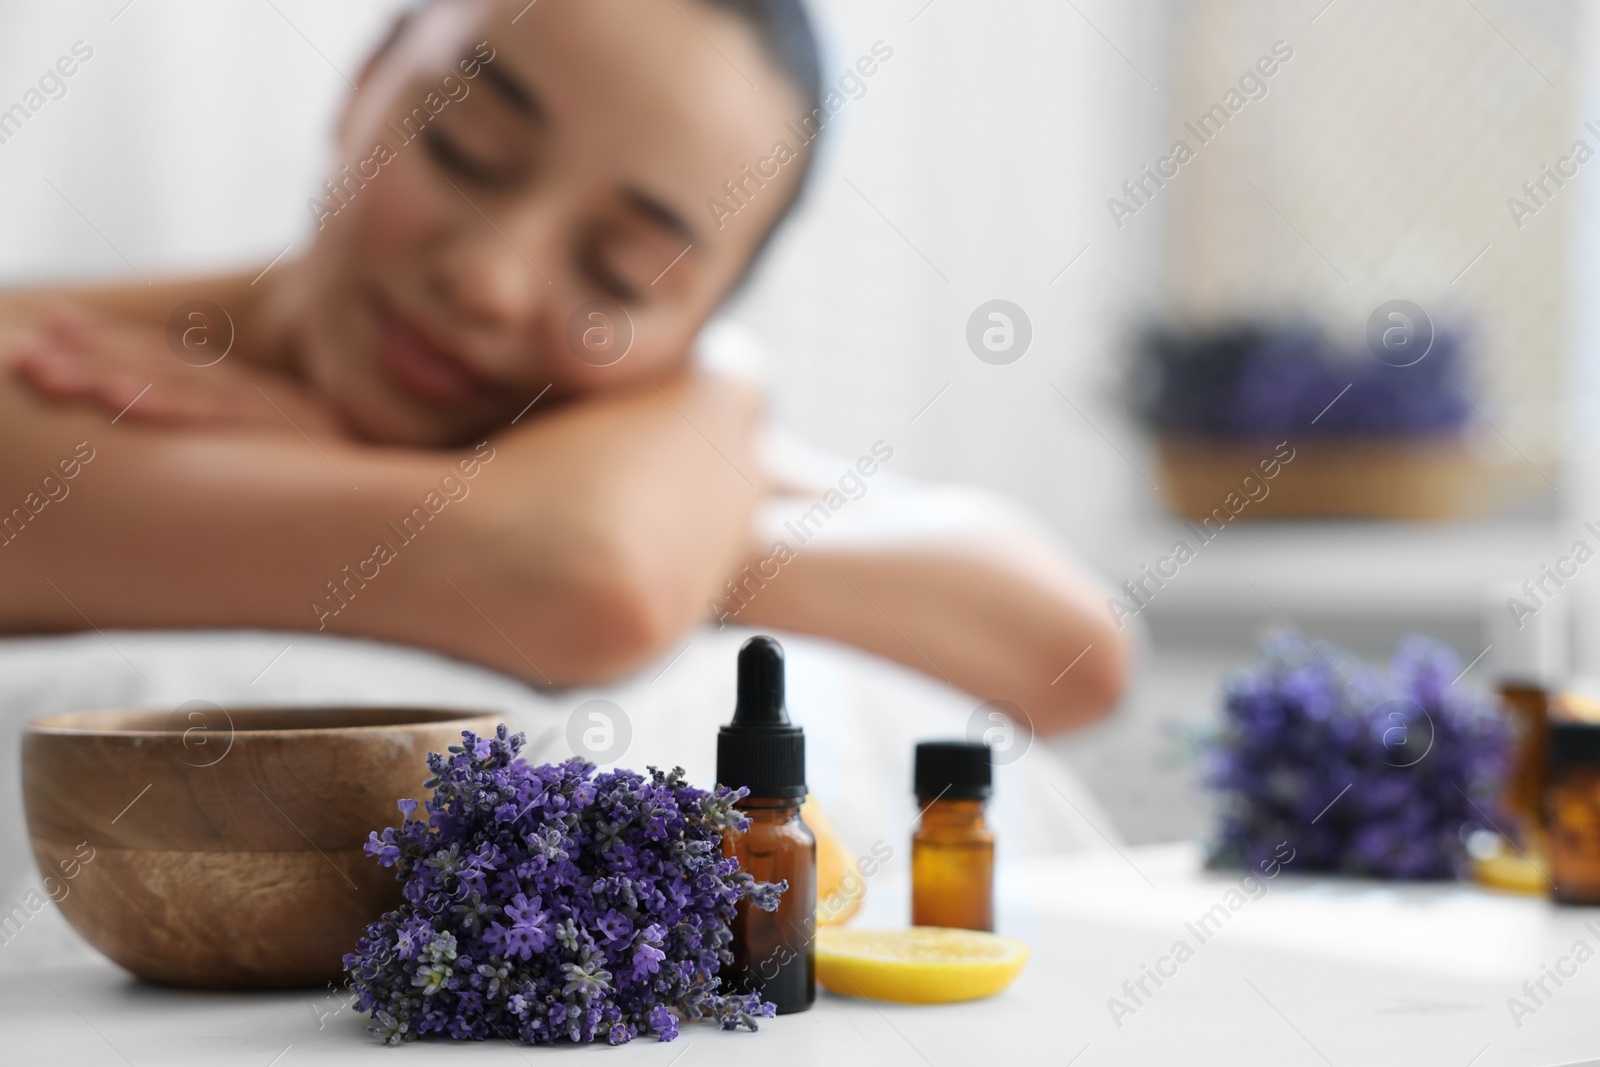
x=421 y=716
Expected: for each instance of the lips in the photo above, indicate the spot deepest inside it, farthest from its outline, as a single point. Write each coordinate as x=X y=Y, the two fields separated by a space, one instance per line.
x=419 y=366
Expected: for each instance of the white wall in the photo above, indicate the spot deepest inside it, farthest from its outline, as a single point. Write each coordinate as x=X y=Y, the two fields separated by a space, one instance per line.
x=1582 y=471
x=191 y=138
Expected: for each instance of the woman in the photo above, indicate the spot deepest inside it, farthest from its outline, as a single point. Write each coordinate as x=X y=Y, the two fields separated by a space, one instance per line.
x=468 y=418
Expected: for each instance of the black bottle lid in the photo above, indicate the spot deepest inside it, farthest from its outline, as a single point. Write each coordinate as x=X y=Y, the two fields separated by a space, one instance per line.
x=1574 y=743
x=953 y=770
x=761 y=749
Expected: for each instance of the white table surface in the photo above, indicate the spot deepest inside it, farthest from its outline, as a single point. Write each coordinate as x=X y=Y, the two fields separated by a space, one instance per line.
x=1312 y=972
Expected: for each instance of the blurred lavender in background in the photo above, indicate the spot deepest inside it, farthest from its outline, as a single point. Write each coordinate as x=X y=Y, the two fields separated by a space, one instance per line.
x=1250 y=379
x=1379 y=773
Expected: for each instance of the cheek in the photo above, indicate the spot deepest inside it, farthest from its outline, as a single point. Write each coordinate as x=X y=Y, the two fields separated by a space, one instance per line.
x=390 y=220
x=379 y=233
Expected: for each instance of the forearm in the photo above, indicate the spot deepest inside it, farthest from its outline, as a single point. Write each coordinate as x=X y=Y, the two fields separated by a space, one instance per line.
x=186 y=530
x=563 y=561
x=1003 y=620
x=649 y=495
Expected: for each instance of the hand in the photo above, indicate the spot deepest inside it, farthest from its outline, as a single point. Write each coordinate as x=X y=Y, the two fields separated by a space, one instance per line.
x=124 y=368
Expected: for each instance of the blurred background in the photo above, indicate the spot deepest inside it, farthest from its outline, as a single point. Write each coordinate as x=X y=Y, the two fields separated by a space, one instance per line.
x=1206 y=212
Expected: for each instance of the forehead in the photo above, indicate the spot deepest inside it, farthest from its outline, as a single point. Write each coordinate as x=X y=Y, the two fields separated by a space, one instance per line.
x=672 y=95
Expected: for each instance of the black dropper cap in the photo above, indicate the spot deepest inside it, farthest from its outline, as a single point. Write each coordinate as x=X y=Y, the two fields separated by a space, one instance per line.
x=953 y=770
x=761 y=749
x=1574 y=743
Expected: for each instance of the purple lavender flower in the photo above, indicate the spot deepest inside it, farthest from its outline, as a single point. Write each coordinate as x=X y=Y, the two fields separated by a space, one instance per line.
x=1253 y=380
x=664 y=1022
x=1360 y=771
x=550 y=903
x=613 y=924
x=647 y=956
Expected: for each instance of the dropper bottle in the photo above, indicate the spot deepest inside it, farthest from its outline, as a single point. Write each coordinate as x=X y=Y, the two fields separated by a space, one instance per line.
x=761 y=750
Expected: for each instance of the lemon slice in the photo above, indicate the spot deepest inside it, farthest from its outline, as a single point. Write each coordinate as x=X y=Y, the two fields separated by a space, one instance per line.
x=1512 y=873
x=840 y=890
x=922 y=965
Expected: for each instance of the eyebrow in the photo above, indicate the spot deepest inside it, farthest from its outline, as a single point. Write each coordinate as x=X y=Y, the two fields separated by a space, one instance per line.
x=519 y=96
x=658 y=212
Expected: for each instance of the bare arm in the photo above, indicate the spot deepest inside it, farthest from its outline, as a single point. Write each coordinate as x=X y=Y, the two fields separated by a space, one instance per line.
x=1005 y=619
x=581 y=548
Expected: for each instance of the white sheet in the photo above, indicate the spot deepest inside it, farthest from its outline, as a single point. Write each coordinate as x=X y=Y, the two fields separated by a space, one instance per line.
x=861 y=714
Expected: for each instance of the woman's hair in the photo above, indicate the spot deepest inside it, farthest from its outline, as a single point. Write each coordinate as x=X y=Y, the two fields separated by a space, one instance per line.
x=787 y=36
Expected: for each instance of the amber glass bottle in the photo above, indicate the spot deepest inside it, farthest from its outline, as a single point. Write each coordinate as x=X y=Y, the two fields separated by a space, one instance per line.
x=1572 y=812
x=772 y=950
x=762 y=751
x=1529 y=709
x=952 y=851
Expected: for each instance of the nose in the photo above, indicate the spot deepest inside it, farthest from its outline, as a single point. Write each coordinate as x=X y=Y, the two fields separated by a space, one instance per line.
x=497 y=274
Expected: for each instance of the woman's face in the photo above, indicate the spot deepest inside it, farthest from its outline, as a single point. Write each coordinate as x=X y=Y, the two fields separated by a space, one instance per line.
x=522 y=200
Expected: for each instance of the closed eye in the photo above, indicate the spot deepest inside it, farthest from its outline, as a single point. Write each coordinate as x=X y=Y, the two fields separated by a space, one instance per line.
x=608 y=280
x=475 y=169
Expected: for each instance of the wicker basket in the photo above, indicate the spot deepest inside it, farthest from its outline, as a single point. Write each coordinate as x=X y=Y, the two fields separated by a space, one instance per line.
x=1396 y=478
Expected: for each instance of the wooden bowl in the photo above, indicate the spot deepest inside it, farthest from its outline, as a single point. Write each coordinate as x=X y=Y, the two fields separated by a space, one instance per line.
x=222 y=848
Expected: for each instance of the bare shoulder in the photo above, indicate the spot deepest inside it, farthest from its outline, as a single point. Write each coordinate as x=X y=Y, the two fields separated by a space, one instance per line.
x=155 y=354
x=25 y=311
x=149 y=303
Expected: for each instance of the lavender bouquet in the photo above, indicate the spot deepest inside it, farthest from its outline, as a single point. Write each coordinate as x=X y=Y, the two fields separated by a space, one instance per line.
x=1365 y=772
x=548 y=903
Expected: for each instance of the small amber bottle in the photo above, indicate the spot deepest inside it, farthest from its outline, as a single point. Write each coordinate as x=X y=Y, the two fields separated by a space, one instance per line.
x=952 y=851
x=1572 y=812
x=762 y=751
x=1528 y=707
